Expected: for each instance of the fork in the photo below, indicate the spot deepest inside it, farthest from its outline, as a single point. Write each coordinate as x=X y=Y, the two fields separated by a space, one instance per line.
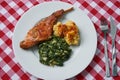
x=104 y=28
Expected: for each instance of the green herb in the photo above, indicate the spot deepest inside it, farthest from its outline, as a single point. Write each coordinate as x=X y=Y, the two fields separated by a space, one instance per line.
x=54 y=51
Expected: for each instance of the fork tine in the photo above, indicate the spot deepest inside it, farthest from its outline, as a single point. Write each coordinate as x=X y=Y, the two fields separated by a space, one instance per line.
x=104 y=24
x=103 y=21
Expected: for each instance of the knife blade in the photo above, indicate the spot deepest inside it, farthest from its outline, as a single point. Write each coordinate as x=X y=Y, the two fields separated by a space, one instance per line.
x=113 y=34
x=113 y=28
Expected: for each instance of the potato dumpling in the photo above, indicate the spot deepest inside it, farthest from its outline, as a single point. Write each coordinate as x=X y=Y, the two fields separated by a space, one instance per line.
x=59 y=29
x=72 y=38
x=69 y=31
x=72 y=35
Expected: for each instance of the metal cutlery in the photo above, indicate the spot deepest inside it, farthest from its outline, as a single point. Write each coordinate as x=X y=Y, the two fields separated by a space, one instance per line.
x=113 y=33
x=104 y=28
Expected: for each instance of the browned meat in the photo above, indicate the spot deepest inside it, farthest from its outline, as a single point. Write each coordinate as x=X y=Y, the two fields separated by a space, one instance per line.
x=42 y=30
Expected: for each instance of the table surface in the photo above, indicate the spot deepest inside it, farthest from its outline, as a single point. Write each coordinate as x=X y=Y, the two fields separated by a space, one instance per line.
x=12 y=10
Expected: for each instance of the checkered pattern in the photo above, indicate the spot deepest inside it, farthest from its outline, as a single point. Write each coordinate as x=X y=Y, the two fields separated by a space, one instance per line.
x=11 y=11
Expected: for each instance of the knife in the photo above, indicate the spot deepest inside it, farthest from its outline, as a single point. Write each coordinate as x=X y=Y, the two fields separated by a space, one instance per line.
x=113 y=34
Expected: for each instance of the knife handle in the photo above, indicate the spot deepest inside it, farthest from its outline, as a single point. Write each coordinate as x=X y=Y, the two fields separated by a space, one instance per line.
x=114 y=66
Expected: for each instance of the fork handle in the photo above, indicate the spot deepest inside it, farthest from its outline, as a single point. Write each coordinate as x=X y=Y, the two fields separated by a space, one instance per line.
x=114 y=66
x=106 y=57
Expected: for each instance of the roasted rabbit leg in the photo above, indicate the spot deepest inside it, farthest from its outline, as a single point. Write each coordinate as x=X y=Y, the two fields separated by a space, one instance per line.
x=42 y=30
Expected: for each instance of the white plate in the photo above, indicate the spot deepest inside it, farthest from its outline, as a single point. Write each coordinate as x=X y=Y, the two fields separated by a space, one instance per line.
x=82 y=55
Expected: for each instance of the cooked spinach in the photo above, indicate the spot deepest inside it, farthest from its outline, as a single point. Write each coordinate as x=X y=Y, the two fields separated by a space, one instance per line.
x=54 y=51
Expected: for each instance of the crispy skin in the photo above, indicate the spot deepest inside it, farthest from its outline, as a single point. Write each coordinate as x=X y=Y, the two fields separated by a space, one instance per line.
x=42 y=30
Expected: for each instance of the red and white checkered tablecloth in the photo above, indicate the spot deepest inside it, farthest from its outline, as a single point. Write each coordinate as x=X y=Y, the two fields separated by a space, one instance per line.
x=12 y=10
